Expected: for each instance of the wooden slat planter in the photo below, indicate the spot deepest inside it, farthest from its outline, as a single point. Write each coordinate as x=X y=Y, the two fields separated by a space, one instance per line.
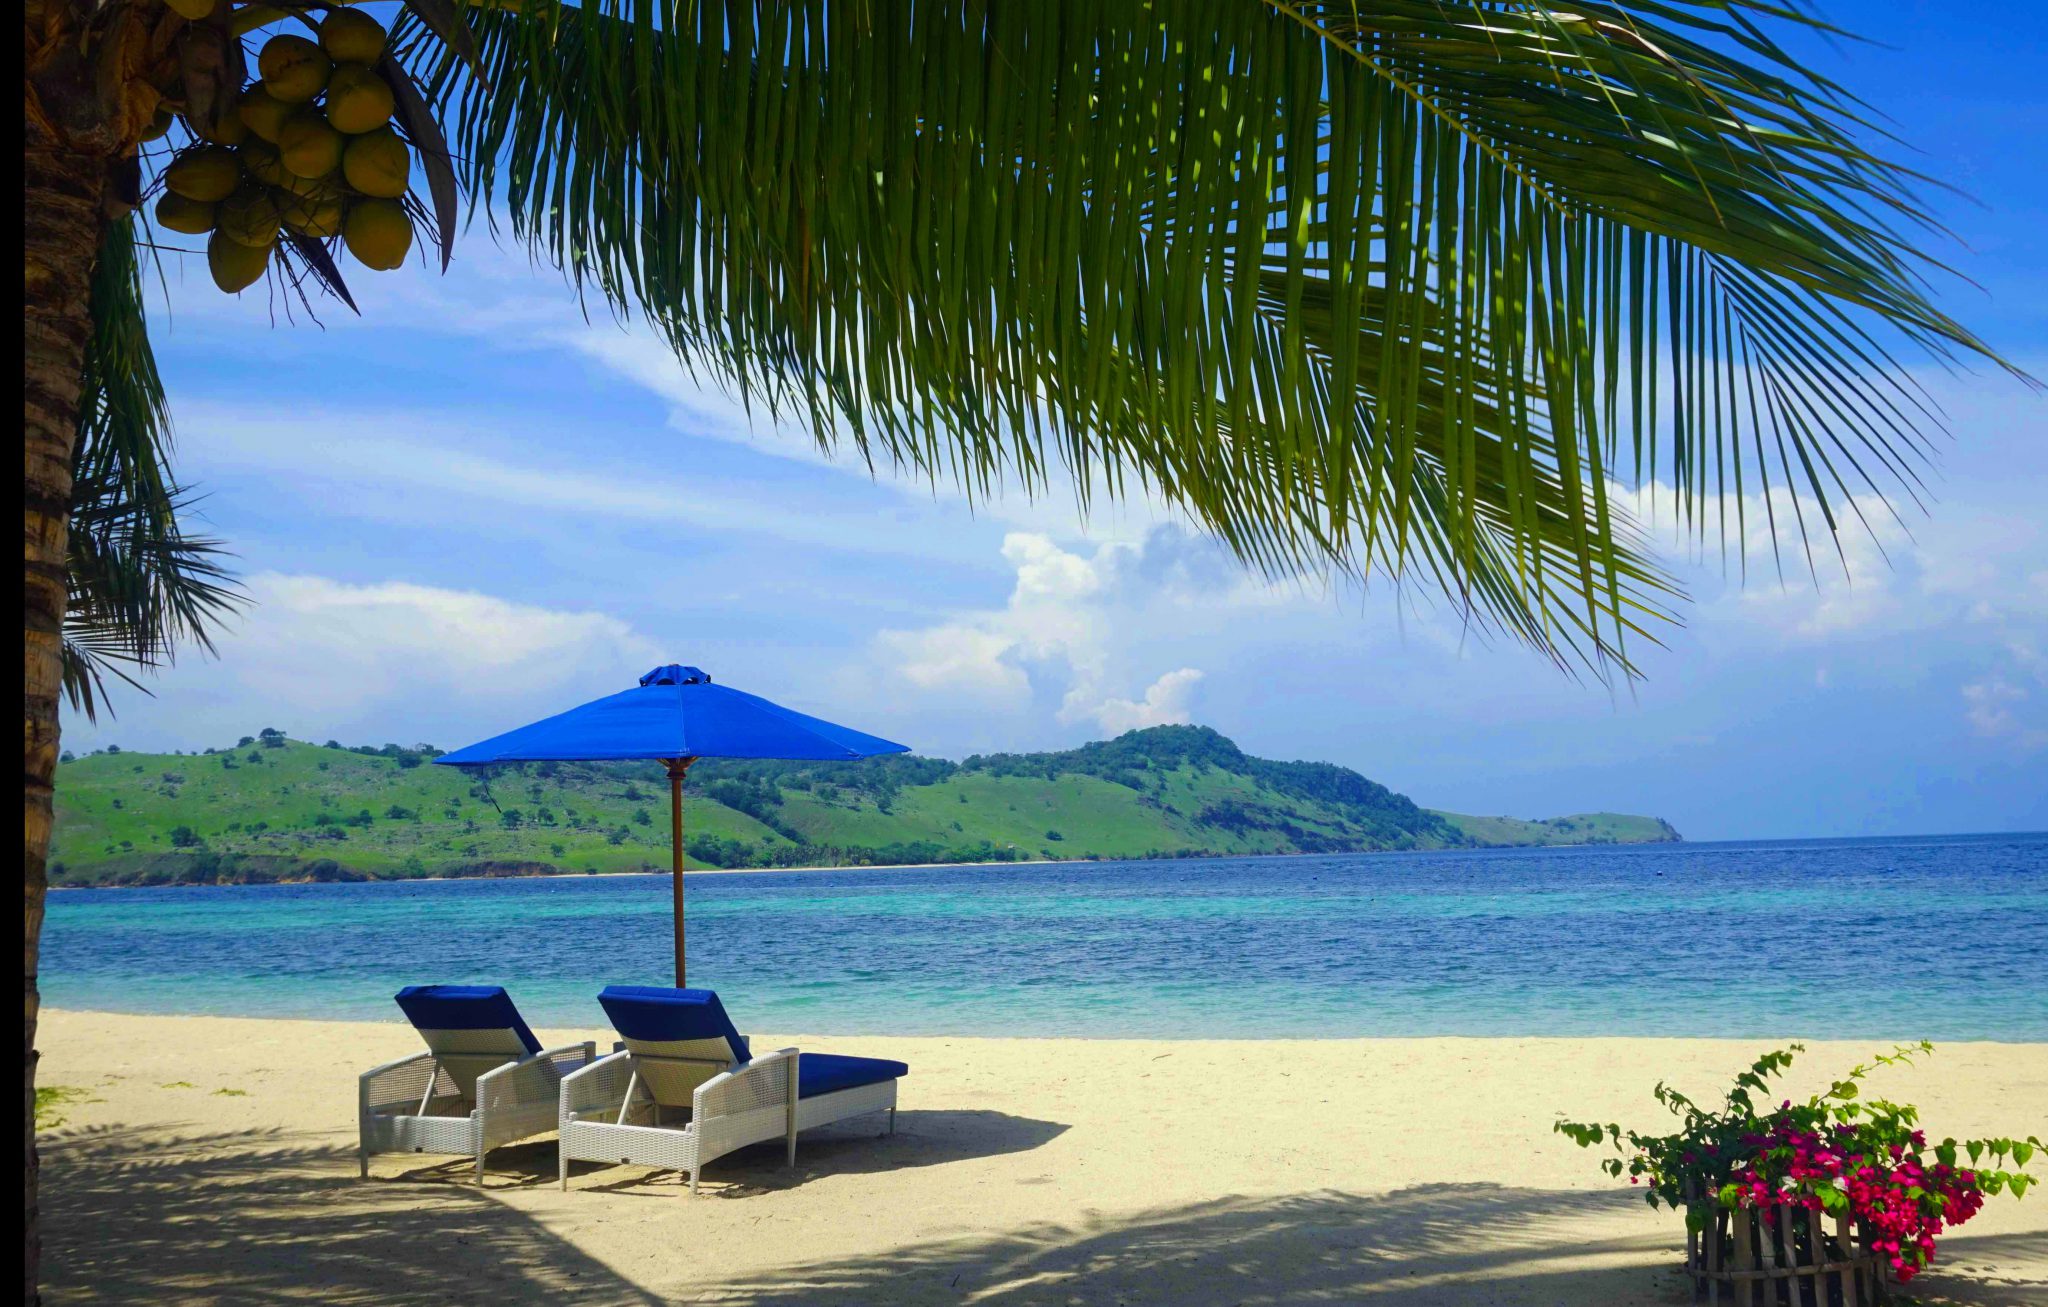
x=1782 y=1258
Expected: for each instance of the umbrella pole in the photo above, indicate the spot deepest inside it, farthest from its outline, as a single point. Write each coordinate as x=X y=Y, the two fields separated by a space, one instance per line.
x=678 y=768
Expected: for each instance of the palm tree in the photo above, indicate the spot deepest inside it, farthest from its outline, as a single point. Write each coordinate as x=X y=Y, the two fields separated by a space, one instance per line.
x=1394 y=288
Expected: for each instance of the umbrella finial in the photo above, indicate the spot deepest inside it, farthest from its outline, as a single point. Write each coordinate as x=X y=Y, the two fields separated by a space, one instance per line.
x=676 y=674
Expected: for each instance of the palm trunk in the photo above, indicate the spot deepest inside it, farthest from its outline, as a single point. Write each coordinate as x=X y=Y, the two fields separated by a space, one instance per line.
x=92 y=74
x=63 y=220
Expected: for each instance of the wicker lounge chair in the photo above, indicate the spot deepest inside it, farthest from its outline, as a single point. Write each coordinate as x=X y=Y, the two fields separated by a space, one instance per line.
x=484 y=1080
x=684 y=1088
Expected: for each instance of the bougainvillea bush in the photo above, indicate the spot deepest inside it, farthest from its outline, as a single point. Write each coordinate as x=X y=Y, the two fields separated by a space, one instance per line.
x=1836 y=1152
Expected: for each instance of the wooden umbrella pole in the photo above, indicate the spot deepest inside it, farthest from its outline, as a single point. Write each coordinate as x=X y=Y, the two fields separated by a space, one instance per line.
x=678 y=768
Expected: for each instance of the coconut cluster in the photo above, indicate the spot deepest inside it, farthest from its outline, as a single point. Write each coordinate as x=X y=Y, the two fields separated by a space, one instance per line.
x=309 y=150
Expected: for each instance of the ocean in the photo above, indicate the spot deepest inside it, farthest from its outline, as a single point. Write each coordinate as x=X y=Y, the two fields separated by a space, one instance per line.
x=1913 y=938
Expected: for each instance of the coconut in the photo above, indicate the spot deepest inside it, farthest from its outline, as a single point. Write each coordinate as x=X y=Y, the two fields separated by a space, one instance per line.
x=207 y=173
x=311 y=216
x=378 y=233
x=230 y=130
x=377 y=163
x=192 y=10
x=250 y=215
x=316 y=188
x=158 y=124
x=358 y=100
x=235 y=266
x=260 y=160
x=193 y=217
x=351 y=37
x=294 y=69
x=308 y=146
x=263 y=113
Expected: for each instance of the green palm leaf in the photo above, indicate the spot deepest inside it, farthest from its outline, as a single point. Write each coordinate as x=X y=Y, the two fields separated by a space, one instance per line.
x=138 y=585
x=1396 y=289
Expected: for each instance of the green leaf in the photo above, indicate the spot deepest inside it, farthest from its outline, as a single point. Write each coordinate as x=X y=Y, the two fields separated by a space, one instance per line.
x=138 y=587
x=1389 y=291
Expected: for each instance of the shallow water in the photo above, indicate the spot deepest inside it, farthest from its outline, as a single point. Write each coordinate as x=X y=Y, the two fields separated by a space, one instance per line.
x=1936 y=938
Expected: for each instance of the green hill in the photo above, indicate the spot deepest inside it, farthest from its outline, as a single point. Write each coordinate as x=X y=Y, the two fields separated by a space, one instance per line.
x=1579 y=828
x=273 y=808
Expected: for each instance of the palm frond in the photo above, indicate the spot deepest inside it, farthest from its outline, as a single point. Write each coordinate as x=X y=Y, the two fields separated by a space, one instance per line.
x=139 y=586
x=1395 y=288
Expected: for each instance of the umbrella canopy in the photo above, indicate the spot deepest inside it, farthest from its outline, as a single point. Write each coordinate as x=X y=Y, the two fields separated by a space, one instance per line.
x=675 y=715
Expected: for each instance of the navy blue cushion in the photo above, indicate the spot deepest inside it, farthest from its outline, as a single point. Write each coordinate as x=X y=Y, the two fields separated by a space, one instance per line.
x=464 y=1007
x=828 y=1073
x=657 y=1015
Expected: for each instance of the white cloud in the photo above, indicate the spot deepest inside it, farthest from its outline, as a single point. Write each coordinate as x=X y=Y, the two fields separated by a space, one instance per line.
x=329 y=644
x=1052 y=615
x=1073 y=626
x=1999 y=710
x=318 y=657
x=959 y=657
x=1165 y=703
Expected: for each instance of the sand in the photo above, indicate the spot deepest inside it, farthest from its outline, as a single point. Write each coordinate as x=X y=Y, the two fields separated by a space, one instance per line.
x=211 y=1160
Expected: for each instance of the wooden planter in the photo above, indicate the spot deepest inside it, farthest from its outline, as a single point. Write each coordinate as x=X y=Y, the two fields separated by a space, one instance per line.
x=1782 y=1258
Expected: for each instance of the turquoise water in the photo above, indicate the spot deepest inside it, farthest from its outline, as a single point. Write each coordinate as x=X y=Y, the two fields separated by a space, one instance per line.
x=1937 y=938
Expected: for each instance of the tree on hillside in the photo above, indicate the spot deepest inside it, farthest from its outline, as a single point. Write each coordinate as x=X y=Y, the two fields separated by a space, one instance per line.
x=1394 y=288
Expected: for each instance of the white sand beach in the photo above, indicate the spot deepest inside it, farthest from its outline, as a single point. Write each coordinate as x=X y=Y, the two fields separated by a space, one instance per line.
x=211 y=1160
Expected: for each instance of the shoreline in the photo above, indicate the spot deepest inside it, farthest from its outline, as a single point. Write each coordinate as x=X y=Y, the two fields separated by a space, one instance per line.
x=993 y=864
x=1757 y=1042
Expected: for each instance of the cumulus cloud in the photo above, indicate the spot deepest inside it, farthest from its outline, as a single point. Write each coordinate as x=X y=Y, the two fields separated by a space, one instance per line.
x=1074 y=628
x=1165 y=703
x=959 y=657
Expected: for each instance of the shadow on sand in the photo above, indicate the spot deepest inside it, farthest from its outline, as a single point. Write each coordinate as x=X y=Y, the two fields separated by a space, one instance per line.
x=853 y=1148
x=255 y=1216
x=1463 y=1245
x=252 y=1215
x=1449 y=1244
x=265 y=1216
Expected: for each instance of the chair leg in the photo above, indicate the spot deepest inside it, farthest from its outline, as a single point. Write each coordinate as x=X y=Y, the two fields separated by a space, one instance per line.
x=562 y=1167
x=693 y=1181
x=479 y=1170
x=892 y=1118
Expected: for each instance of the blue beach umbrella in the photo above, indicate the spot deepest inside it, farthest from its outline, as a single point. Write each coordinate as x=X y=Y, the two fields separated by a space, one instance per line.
x=676 y=715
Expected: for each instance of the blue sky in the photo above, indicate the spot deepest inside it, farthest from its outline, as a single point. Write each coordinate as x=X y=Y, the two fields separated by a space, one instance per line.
x=472 y=507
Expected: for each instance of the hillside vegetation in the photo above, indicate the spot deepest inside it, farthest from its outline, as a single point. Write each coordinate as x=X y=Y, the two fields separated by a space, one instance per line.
x=273 y=808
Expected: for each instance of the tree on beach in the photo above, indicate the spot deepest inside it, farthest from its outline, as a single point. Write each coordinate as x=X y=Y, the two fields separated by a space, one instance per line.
x=1402 y=289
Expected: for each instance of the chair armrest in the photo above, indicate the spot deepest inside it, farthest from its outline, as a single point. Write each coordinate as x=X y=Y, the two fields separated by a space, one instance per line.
x=534 y=1079
x=765 y=1081
x=598 y=1085
x=401 y=1083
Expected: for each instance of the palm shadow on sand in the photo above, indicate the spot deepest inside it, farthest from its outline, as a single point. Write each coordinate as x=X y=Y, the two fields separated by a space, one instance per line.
x=270 y=1216
x=1444 y=1245
x=266 y=1216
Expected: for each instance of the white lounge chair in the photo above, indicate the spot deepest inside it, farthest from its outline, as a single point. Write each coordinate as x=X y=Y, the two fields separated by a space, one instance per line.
x=483 y=1082
x=685 y=1089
